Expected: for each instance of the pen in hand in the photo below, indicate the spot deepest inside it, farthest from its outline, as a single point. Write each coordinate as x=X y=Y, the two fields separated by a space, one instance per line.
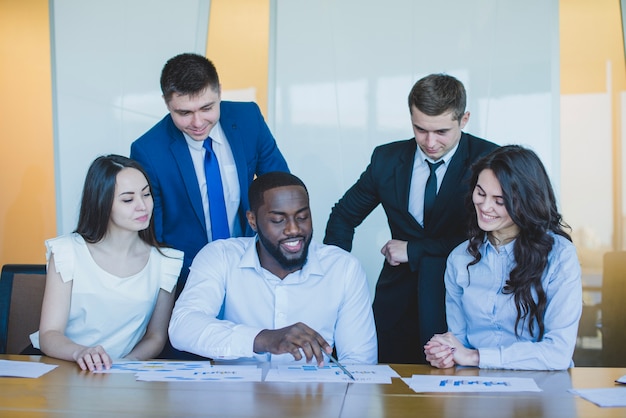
x=343 y=369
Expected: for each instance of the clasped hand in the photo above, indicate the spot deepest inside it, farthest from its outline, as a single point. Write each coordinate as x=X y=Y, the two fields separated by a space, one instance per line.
x=294 y=339
x=445 y=350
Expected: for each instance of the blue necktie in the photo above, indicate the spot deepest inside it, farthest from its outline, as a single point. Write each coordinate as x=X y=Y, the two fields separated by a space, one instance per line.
x=430 y=192
x=215 y=193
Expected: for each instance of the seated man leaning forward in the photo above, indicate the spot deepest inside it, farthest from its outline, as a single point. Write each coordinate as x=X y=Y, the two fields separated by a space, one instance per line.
x=283 y=296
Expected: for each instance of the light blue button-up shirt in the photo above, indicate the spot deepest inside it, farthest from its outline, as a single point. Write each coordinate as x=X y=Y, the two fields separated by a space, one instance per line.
x=483 y=318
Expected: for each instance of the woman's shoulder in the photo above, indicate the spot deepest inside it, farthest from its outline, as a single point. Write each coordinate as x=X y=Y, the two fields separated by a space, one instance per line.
x=460 y=250
x=170 y=252
x=64 y=245
x=170 y=259
x=561 y=244
x=66 y=249
x=72 y=238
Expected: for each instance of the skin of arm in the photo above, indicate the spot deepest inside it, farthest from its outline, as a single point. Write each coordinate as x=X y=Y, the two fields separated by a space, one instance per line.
x=54 y=315
x=156 y=334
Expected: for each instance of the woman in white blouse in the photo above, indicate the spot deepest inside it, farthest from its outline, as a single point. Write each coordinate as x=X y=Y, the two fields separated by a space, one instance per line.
x=110 y=286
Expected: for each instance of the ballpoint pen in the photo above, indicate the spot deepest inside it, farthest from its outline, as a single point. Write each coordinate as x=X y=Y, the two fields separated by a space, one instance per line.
x=343 y=369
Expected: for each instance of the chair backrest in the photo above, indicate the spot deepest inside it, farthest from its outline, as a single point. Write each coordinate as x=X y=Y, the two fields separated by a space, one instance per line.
x=614 y=309
x=21 y=294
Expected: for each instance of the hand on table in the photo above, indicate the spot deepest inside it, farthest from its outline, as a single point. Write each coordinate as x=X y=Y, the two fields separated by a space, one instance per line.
x=93 y=358
x=445 y=350
x=294 y=339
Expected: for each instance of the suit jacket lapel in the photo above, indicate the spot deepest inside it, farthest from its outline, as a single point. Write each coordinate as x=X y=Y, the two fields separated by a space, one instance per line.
x=454 y=175
x=180 y=151
x=236 y=141
x=403 y=173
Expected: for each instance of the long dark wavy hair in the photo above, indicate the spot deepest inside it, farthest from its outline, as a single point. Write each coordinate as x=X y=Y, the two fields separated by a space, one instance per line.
x=529 y=199
x=97 y=200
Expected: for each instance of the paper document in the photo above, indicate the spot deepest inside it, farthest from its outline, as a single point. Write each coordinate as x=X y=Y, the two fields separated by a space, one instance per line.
x=603 y=397
x=234 y=373
x=429 y=383
x=11 y=368
x=362 y=373
x=186 y=371
x=155 y=366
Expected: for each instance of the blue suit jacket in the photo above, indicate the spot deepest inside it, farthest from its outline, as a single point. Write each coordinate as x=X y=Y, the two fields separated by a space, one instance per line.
x=163 y=152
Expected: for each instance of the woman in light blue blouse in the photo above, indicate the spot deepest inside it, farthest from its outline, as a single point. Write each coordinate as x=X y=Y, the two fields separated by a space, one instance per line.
x=513 y=290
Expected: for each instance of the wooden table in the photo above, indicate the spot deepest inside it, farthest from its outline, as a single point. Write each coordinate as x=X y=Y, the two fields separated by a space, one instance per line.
x=68 y=392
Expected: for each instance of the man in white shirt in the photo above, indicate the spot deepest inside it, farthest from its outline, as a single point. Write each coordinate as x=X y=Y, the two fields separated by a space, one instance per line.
x=278 y=296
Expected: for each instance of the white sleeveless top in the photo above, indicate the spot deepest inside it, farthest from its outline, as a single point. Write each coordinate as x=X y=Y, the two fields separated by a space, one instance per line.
x=105 y=309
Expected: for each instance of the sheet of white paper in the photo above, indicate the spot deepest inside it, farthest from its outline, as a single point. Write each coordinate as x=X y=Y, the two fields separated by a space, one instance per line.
x=331 y=373
x=155 y=366
x=422 y=383
x=603 y=397
x=12 y=368
x=232 y=373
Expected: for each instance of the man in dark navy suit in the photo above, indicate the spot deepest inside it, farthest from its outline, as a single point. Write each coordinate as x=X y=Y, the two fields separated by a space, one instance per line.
x=426 y=214
x=173 y=154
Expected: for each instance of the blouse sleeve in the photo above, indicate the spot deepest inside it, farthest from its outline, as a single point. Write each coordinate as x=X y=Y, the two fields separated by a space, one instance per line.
x=564 y=292
x=64 y=256
x=171 y=264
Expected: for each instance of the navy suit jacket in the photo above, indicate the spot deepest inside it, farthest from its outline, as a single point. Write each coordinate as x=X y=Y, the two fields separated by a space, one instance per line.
x=164 y=154
x=409 y=305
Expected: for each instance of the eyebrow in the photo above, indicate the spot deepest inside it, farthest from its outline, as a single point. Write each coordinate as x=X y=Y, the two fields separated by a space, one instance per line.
x=483 y=190
x=276 y=212
x=434 y=130
x=179 y=110
x=144 y=188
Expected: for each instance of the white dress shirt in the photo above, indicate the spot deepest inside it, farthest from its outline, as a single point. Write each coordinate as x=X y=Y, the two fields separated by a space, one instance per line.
x=228 y=172
x=421 y=172
x=329 y=294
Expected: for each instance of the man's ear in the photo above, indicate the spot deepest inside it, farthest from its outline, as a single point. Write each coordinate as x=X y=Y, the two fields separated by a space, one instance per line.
x=251 y=219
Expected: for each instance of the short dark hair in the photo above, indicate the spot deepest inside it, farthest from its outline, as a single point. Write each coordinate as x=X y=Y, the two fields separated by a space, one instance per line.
x=188 y=74
x=98 y=195
x=437 y=94
x=270 y=181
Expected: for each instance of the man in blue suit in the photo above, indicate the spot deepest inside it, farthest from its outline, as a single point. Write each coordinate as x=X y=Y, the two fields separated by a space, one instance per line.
x=173 y=153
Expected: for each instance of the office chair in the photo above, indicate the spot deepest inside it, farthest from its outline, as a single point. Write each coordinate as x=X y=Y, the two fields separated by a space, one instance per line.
x=613 y=307
x=21 y=294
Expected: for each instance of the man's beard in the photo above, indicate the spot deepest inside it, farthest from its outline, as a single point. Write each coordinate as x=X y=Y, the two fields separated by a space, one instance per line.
x=286 y=263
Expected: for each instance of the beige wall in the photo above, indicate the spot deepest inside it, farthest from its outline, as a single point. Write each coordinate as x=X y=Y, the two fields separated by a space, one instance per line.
x=590 y=34
x=27 y=196
x=593 y=81
x=238 y=45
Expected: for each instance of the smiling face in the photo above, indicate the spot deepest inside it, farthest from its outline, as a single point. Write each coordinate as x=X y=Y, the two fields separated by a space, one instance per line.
x=491 y=212
x=132 y=201
x=283 y=224
x=437 y=135
x=195 y=115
